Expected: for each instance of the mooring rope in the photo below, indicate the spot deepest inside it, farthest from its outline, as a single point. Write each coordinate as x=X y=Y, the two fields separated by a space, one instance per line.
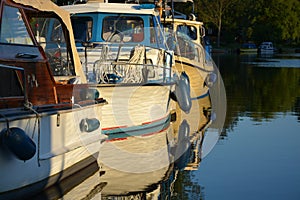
x=133 y=71
x=7 y=122
x=29 y=106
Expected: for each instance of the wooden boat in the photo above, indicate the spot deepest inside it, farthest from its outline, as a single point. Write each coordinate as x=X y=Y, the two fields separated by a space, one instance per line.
x=49 y=127
x=124 y=54
x=185 y=38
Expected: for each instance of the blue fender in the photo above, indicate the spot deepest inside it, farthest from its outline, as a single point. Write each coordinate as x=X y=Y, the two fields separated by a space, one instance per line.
x=89 y=125
x=19 y=143
x=183 y=93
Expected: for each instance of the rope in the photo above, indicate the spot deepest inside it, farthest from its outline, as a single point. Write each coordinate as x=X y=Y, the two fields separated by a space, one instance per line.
x=7 y=123
x=30 y=107
x=98 y=71
x=133 y=71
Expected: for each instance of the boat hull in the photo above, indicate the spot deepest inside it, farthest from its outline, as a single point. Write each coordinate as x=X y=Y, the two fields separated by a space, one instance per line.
x=132 y=108
x=199 y=91
x=60 y=143
x=247 y=50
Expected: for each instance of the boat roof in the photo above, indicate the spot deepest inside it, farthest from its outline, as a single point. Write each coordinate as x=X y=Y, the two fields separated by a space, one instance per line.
x=119 y=8
x=184 y=21
x=49 y=6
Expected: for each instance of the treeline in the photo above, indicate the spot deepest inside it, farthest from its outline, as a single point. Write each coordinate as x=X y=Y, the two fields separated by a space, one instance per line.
x=240 y=21
x=249 y=20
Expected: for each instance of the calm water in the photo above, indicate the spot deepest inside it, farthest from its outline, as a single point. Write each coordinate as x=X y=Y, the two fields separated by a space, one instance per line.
x=256 y=157
x=258 y=154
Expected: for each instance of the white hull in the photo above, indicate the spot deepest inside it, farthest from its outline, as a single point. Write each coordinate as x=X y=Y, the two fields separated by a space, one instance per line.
x=130 y=106
x=199 y=92
x=266 y=48
x=266 y=51
x=60 y=144
x=142 y=94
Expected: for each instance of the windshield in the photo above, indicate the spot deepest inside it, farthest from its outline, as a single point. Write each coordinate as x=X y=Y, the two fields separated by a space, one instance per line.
x=188 y=30
x=118 y=28
x=13 y=29
x=50 y=33
x=131 y=26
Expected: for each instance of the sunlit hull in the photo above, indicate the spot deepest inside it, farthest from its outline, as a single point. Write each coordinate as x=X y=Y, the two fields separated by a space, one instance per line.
x=136 y=86
x=61 y=147
x=199 y=92
x=133 y=108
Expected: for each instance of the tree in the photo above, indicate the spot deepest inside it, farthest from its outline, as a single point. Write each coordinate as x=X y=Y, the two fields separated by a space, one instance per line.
x=213 y=11
x=260 y=20
x=287 y=19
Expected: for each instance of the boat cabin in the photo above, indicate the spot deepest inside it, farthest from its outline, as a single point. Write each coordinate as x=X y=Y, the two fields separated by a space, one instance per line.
x=191 y=28
x=186 y=38
x=32 y=57
x=119 y=40
x=116 y=23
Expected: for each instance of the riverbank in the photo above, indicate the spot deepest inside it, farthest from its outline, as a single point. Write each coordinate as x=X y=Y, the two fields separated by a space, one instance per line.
x=233 y=48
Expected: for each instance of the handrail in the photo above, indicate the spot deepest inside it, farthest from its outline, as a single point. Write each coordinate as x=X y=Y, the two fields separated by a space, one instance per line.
x=112 y=54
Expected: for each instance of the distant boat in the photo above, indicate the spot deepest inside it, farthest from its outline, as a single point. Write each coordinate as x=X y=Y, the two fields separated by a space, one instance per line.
x=248 y=48
x=48 y=128
x=266 y=47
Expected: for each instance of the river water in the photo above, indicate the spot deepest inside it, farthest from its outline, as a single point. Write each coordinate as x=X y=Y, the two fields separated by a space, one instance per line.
x=256 y=154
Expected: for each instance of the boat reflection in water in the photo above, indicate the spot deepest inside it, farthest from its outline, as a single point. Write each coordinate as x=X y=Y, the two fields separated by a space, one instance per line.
x=139 y=167
x=135 y=166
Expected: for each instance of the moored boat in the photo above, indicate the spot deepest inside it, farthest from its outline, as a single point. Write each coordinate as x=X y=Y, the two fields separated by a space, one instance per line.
x=266 y=48
x=185 y=37
x=248 y=48
x=49 y=127
x=124 y=54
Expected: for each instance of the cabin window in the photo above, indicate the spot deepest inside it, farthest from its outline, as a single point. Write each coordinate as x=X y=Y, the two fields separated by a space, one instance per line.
x=50 y=34
x=82 y=28
x=10 y=82
x=13 y=29
x=123 y=29
x=190 y=31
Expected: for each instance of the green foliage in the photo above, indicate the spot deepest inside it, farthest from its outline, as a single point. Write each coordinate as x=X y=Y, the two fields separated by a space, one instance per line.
x=256 y=20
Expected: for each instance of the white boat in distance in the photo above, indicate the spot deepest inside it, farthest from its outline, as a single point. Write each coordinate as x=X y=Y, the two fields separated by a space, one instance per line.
x=123 y=52
x=49 y=127
x=266 y=47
